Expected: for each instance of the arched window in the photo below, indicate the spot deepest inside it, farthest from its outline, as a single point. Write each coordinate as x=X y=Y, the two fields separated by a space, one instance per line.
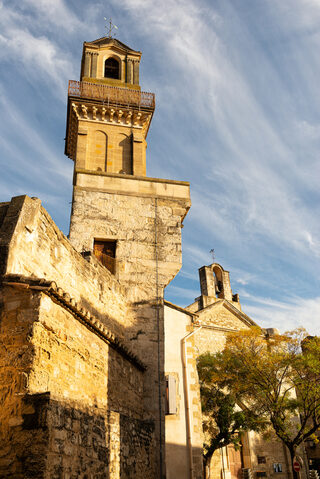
x=112 y=68
x=217 y=278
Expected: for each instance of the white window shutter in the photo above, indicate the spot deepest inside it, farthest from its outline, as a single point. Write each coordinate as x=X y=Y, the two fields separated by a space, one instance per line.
x=171 y=395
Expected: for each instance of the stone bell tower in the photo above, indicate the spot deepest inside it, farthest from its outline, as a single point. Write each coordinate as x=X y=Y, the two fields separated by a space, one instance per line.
x=117 y=212
x=111 y=113
x=130 y=222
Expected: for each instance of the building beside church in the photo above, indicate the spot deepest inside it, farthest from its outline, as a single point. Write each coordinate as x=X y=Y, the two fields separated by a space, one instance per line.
x=98 y=371
x=189 y=332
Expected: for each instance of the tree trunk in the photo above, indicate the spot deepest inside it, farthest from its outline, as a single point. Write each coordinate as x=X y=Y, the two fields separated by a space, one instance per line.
x=292 y=450
x=206 y=467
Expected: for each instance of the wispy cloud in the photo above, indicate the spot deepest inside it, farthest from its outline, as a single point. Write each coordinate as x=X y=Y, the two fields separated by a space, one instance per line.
x=53 y=12
x=28 y=135
x=40 y=57
x=286 y=315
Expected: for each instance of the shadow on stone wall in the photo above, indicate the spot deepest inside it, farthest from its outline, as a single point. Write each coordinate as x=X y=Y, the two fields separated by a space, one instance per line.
x=178 y=463
x=60 y=441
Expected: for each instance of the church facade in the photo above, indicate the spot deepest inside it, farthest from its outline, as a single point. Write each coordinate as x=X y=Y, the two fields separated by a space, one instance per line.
x=98 y=371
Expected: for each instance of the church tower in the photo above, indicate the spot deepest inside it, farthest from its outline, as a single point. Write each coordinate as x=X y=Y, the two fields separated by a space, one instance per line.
x=113 y=115
x=130 y=222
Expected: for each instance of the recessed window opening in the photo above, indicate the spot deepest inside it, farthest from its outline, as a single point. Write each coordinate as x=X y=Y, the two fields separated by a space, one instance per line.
x=171 y=395
x=112 y=68
x=105 y=252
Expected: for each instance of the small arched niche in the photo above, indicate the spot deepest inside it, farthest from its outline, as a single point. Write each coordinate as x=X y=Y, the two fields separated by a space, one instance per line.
x=98 y=151
x=125 y=145
x=112 y=68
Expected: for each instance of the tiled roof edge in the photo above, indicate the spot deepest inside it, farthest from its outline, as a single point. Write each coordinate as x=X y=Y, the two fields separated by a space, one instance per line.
x=81 y=314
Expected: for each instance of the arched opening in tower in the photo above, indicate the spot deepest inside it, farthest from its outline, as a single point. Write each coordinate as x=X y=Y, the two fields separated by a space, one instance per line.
x=112 y=68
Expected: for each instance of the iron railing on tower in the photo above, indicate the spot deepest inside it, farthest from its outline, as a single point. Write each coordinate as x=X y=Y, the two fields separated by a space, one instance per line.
x=111 y=95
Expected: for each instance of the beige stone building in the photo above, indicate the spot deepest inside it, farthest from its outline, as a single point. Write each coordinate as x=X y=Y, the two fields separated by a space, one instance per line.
x=189 y=332
x=98 y=373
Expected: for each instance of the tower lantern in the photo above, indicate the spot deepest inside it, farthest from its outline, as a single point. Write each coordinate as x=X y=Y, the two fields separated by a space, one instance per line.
x=108 y=115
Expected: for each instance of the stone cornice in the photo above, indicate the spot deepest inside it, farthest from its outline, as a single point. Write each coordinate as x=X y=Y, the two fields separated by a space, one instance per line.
x=50 y=288
x=111 y=114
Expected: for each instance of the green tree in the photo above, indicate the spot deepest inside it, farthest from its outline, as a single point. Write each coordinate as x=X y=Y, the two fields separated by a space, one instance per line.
x=276 y=376
x=224 y=420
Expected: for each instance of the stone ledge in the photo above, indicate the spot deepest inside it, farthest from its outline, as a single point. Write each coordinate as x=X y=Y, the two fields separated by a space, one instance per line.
x=133 y=185
x=132 y=177
x=60 y=296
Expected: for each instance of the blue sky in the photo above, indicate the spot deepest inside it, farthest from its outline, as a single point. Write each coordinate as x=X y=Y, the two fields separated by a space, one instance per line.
x=238 y=115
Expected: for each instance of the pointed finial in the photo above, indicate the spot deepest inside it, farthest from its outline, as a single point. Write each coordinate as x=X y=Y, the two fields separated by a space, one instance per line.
x=111 y=27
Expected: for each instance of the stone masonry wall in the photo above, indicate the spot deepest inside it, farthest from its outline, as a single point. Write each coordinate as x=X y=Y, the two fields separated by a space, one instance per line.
x=137 y=223
x=76 y=408
x=32 y=245
x=75 y=364
x=108 y=148
x=273 y=452
x=62 y=368
x=221 y=315
x=18 y=311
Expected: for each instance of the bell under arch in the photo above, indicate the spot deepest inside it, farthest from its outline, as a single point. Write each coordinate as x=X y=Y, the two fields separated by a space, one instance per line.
x=112 y=68
x=217 y=273
x=215 y=282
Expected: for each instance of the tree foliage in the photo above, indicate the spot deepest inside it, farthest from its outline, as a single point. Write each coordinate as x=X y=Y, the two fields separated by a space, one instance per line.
x=277 y=377
x=224 y=418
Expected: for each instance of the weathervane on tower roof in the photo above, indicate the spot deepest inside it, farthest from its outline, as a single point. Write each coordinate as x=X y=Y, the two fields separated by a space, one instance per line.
x=111 y=27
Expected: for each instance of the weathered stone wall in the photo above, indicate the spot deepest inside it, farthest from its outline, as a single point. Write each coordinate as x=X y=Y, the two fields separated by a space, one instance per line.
x=148 y=233
x=223 y=315
x=18 y=311
x=146 y=228
x=76 y=403
x=273 y=452
x=32 y=245
x=97 y=443
x=216 y=321
x=73 y=363
x=210 y=339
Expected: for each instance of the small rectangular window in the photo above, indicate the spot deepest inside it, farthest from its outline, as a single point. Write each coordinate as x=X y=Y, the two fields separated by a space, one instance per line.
x=277 y=467
x=171 y=395
x=261 y=459
x=261 y=474
x=105 y=251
